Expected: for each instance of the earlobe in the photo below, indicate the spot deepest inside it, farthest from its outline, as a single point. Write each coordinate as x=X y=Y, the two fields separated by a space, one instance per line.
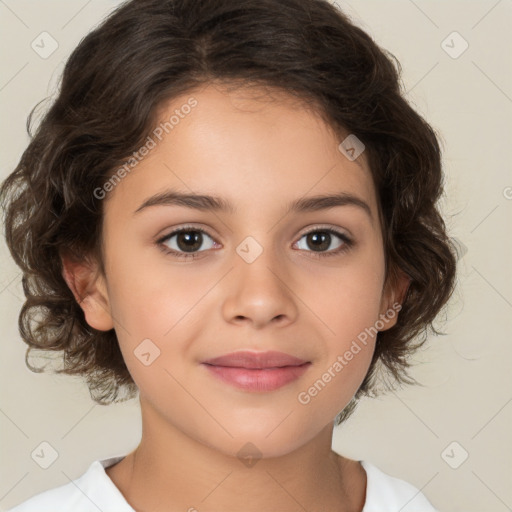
x=89 y=289
x=393 y=299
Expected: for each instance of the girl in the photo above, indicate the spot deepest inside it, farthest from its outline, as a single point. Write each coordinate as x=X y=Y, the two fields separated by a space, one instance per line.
x=230 y=209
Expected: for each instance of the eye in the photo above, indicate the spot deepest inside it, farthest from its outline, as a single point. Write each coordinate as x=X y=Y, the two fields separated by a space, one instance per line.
x=185 y=242
x=321 y=239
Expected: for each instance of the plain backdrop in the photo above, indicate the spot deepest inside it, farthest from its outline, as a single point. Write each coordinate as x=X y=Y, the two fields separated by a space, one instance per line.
x=451 y=437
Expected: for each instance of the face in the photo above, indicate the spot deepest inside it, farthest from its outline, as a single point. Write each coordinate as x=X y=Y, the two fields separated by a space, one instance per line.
x=258 y=276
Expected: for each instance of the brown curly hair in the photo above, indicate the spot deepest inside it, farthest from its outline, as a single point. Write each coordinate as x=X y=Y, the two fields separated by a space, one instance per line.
x=150 y=51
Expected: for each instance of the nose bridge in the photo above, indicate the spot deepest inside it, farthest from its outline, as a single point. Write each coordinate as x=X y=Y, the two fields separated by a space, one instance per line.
x=259 y=290
x=259 y=264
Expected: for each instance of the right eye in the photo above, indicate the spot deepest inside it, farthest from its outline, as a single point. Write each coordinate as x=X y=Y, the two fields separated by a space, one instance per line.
x=184 y=242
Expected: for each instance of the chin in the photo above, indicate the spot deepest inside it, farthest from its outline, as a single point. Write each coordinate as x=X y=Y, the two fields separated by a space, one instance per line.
x=261 y=439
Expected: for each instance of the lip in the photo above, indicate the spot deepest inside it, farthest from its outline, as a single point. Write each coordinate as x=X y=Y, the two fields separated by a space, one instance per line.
x=256 y=360
x=257 y=371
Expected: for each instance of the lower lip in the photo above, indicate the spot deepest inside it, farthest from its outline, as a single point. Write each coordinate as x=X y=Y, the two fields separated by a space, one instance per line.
x=258 y=380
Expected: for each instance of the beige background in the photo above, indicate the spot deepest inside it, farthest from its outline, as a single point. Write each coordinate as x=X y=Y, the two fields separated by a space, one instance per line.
x=465 y=405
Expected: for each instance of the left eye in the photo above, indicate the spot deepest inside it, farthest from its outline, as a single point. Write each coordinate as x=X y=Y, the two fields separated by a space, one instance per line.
x=321 y=239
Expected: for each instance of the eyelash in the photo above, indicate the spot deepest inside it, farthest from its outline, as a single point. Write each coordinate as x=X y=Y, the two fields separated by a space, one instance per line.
x=348 y=243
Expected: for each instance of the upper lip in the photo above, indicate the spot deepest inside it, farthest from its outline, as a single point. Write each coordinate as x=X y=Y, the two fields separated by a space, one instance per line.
x=255 y=360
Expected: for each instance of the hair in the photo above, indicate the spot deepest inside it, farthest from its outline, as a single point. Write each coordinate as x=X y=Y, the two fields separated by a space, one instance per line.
x=147 y=52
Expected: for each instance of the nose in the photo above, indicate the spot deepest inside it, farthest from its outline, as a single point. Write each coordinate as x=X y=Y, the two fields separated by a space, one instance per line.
x=260 y=293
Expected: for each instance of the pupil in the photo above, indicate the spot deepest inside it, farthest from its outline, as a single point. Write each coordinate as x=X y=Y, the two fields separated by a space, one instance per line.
x=191 y=242
x=314 y=237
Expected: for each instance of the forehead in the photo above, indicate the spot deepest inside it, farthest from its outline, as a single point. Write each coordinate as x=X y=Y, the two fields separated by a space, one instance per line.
x=258 y=148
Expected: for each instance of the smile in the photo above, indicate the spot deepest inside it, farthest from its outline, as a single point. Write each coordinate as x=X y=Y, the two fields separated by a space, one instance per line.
x=258 y=379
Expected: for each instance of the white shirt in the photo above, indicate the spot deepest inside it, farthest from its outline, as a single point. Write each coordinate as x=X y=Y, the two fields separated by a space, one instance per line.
x=94 y=491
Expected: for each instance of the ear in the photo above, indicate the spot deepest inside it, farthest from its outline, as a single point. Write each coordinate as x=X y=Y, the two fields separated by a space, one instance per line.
x=89 y=288
x=392 y=299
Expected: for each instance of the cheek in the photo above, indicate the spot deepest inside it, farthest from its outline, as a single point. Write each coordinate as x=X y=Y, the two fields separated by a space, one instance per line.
x=341 y=369
x=347 y=301
x=157 y=310
x=148 y=299
x=348 y=307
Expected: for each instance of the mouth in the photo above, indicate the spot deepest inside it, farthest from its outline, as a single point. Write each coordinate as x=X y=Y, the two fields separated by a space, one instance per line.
x=257 y=371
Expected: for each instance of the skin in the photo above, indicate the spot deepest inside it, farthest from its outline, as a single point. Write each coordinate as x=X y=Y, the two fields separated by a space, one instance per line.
x=259 y=153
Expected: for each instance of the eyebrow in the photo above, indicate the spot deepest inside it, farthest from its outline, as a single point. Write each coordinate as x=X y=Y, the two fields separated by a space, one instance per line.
x=213 y=203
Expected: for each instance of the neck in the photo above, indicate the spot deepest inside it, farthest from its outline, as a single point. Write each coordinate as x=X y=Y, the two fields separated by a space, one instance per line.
x=174 y=472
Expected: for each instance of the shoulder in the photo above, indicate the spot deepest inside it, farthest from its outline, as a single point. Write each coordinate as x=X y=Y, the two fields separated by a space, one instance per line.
x=386 y=493
x=63 y=497
x=91 y=492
